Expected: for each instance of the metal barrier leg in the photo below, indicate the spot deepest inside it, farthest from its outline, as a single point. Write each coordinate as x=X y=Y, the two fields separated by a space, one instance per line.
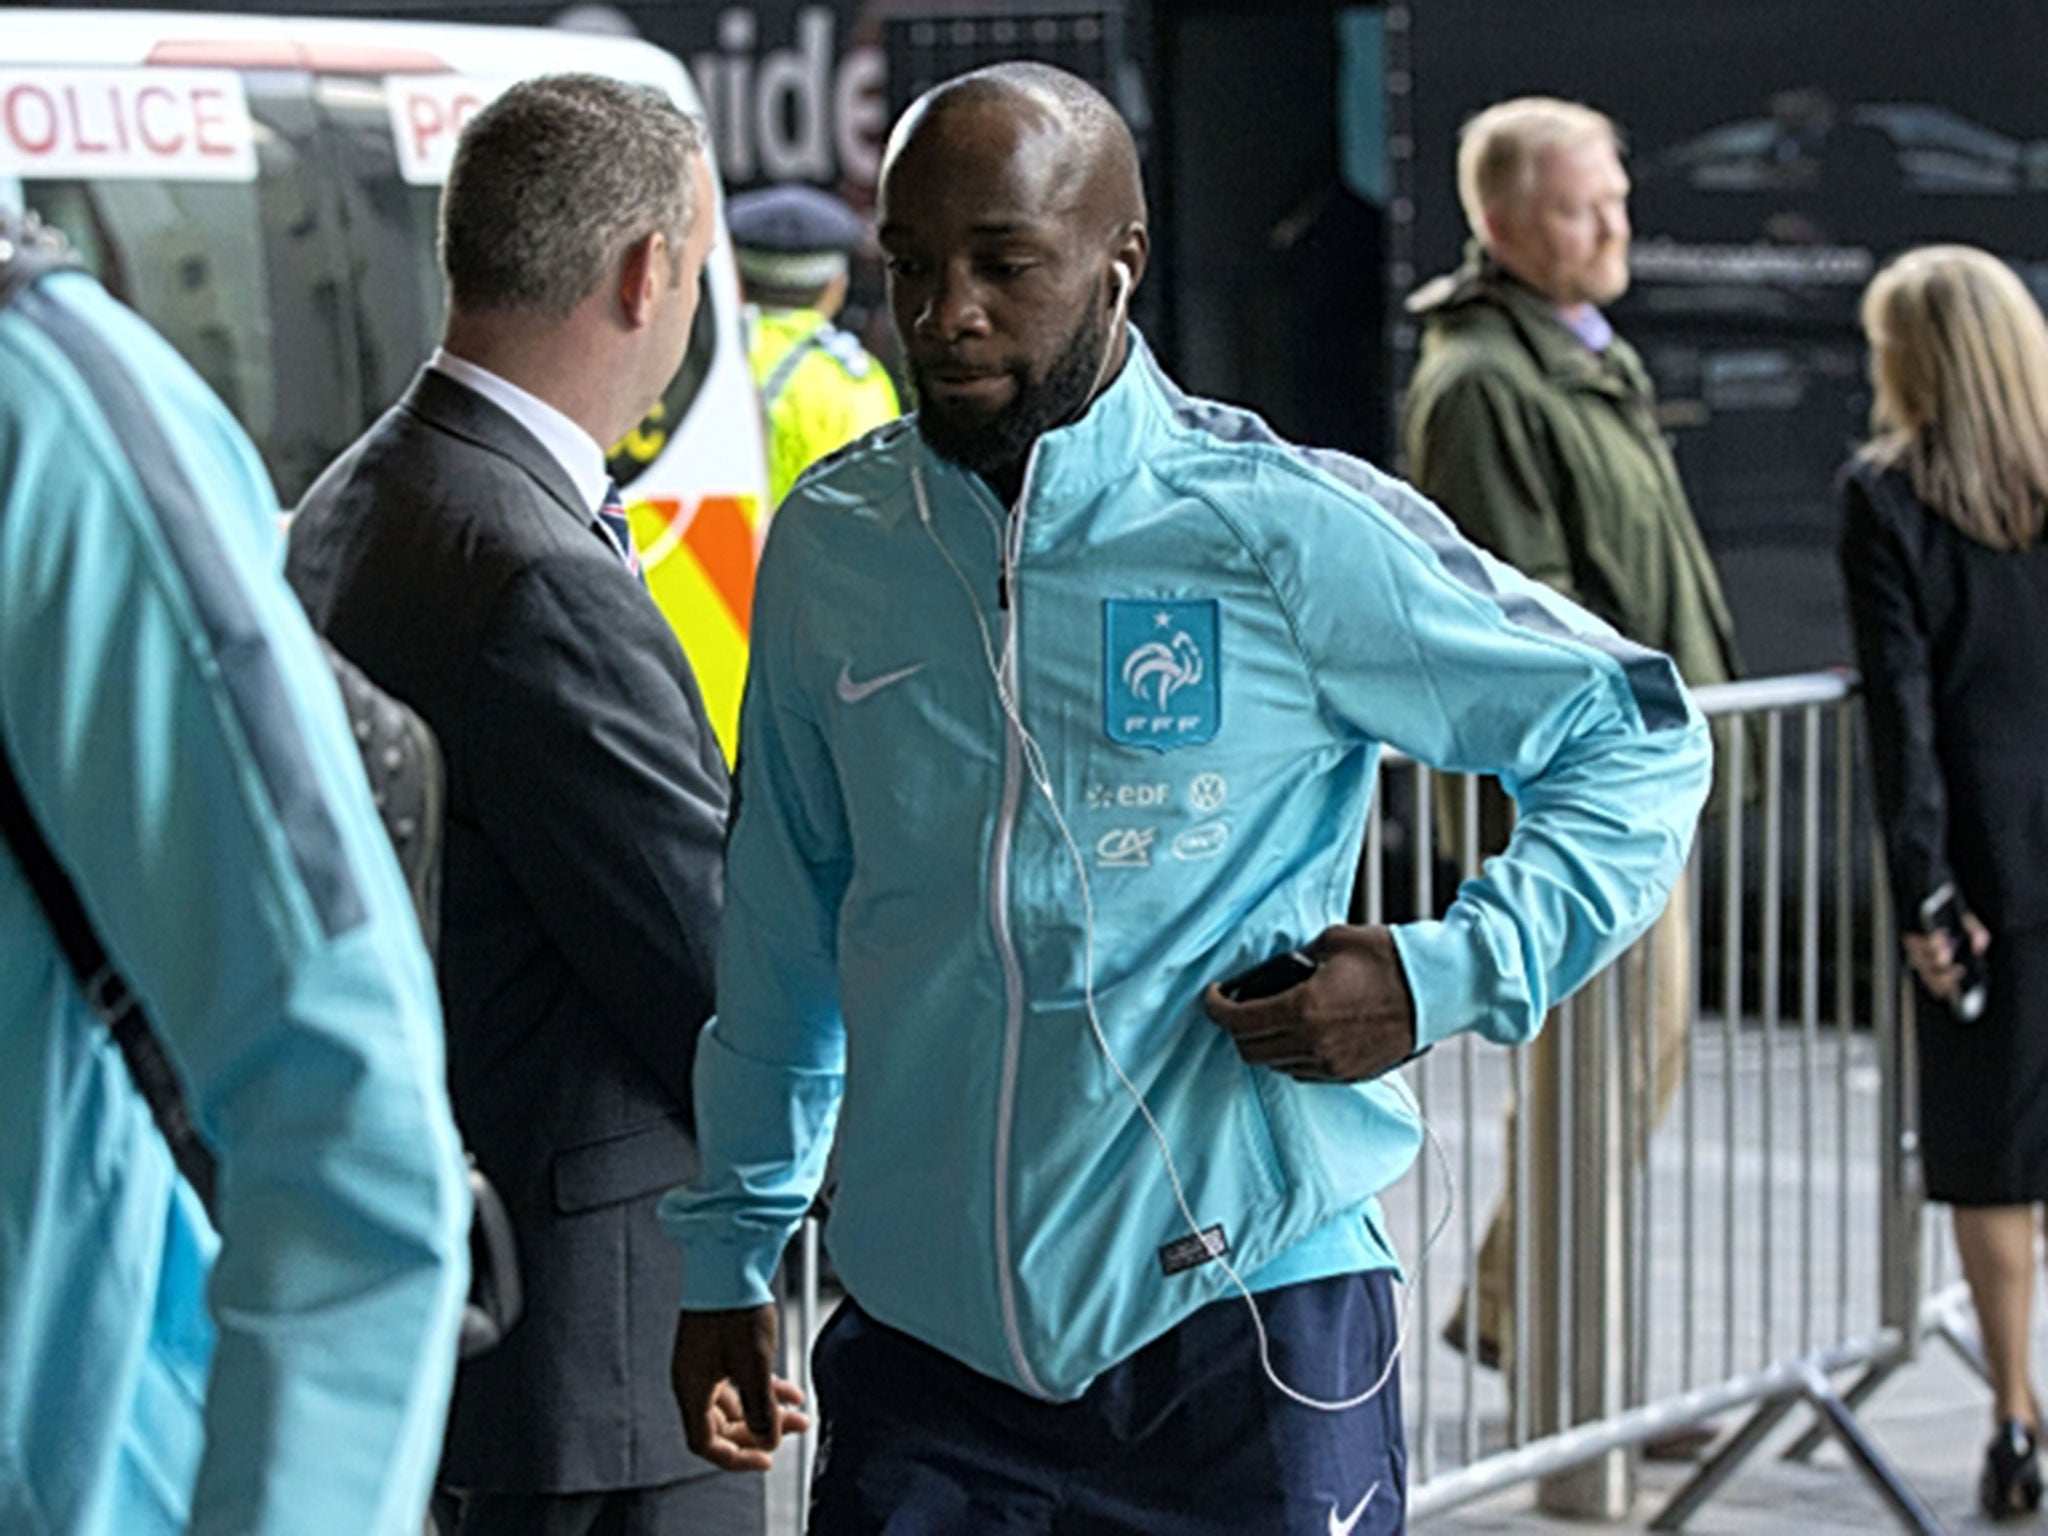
x=1722 y=1465
x=1817 y=1391
x=1940 y=1316
x=1582 y=1368
x=1913 y=1515
x=1865 y=1387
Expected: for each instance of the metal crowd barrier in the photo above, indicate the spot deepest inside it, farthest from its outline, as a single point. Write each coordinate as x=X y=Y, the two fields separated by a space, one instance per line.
x=1734 y=1254
x=1737 y=1252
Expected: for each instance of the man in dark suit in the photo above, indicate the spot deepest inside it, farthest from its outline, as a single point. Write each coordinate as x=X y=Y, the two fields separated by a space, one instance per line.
x=467 y=552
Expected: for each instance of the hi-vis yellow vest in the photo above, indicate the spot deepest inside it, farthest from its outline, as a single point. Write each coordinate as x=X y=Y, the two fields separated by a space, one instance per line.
x=820 y=390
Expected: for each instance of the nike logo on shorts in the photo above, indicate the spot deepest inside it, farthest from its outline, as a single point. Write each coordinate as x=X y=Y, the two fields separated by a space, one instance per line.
x=1345 y=1526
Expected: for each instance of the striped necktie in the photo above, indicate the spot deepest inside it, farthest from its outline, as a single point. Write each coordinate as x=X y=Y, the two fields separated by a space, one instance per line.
x=612 y=517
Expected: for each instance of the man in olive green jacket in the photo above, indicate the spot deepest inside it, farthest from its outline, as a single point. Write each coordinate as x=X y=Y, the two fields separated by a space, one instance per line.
x=1534 y=426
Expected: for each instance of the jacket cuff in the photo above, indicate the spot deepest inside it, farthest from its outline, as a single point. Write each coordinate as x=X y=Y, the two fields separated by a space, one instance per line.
x=721 y=1277
x=1456 y=981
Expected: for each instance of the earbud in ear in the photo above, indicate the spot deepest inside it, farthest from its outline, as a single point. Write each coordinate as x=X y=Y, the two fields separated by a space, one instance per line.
x=1123 y=279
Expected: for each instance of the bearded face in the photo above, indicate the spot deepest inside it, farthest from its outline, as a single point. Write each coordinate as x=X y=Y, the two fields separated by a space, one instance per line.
x=985 y=417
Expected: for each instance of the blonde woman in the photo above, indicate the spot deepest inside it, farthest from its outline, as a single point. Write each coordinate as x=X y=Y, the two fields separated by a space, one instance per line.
x=1947 y=580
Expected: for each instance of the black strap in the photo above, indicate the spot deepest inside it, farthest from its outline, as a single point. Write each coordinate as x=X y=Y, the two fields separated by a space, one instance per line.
x=106 y=991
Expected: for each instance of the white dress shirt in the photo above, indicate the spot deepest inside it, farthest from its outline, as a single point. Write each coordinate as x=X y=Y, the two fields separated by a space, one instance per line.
x=580 y=455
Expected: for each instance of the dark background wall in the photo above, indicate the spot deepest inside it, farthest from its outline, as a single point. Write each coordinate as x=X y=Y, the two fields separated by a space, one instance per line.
x=1276 y=256
x=1299 y=153
x=1780 y=153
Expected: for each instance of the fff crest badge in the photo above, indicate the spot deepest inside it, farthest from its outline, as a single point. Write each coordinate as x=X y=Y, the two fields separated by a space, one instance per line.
x=1162 y=663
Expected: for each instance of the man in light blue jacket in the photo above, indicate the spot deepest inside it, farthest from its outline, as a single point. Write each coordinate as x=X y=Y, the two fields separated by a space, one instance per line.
x=1066 y=703
x=177 y=736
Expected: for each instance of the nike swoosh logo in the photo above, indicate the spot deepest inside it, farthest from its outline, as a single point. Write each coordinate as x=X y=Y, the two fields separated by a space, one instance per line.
x=851 y=692
x=1345 y=1526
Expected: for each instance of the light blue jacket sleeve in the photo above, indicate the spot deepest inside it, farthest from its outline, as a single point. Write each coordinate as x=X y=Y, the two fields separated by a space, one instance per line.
x=770 y=1067
x=181 y=742
x=1420 y=640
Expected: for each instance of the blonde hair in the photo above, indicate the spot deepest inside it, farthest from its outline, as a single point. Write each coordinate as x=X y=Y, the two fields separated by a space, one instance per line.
x=1498 y=149
x=1959 y=355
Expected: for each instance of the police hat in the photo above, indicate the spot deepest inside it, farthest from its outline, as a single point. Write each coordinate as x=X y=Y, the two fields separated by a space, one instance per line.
x=792 y=237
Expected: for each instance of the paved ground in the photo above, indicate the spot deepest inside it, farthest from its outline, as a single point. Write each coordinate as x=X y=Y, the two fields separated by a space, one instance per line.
x=1759 y=1237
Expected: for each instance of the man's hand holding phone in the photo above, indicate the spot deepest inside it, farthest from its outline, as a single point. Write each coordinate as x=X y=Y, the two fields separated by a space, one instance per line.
x=1336 y=1011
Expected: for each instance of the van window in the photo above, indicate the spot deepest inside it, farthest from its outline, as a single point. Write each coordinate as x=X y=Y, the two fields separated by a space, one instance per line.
x=308 y=294
x=387 y=237
x=234 y=273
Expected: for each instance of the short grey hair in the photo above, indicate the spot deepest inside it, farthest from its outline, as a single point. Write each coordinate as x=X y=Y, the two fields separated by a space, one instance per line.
x=553 y=182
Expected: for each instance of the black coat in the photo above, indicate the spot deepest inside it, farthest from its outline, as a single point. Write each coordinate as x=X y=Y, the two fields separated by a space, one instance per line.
x=449 y=556
x=1952 y=639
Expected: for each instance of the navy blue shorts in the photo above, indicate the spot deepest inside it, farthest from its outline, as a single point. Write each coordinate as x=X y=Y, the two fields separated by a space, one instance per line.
x=1185 y=1438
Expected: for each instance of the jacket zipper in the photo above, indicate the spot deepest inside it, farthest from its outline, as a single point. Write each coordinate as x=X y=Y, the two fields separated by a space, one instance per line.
x=999 y=923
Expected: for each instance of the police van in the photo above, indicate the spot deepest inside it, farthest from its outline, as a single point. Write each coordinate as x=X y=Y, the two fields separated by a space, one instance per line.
x=263 y=191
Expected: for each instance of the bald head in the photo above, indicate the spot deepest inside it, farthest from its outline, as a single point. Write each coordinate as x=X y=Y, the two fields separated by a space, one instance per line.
x=1013 y=217
x=1089 y=155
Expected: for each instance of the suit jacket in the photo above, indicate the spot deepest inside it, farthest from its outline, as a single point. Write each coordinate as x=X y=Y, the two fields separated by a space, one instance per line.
x=1948 y=636
x=448 y=555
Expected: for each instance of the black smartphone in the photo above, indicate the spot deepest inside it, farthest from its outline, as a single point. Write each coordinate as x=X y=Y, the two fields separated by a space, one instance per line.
x=1943 y=913
x=1269 y=978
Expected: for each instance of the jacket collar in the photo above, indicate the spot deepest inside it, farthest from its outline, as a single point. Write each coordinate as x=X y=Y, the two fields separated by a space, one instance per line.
x=1110 y=440
x=1564 y=359
x=460 y=411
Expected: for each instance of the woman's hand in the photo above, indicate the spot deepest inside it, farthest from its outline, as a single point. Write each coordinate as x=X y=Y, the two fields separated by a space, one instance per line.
x=1933 y=956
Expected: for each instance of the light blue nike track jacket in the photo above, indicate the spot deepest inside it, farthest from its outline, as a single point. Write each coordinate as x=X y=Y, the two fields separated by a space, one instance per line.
x=1208 y=635
x=181 y=742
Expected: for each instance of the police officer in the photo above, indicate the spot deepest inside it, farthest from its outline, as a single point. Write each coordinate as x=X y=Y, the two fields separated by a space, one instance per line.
x=820 y=389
